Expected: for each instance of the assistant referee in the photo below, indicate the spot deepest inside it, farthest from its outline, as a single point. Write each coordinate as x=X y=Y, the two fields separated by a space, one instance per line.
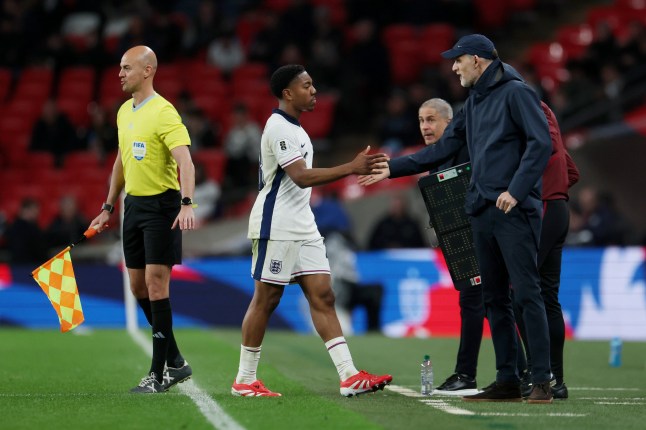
x=153 y=143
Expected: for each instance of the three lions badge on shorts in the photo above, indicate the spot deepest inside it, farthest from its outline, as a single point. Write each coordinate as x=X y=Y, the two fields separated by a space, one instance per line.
x=275 y=266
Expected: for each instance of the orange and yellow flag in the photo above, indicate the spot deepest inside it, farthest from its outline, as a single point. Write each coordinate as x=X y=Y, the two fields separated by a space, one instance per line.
x=56 y=278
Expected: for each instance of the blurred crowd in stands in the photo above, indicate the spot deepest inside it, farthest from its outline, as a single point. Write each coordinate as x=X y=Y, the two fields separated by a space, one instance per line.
x=373 y=62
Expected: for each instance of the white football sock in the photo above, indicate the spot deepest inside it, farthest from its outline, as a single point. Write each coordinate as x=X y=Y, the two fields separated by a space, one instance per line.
x=340 y=354
x=249 y=358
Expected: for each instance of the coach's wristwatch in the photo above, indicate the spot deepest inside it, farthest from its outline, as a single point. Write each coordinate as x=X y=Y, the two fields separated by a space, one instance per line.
x=107 y=207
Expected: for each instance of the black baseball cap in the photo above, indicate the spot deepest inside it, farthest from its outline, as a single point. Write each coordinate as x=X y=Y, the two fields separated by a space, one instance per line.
x=472 y=44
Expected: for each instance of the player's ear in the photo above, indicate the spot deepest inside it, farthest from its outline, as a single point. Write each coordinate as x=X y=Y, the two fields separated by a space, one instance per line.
x=287 y=94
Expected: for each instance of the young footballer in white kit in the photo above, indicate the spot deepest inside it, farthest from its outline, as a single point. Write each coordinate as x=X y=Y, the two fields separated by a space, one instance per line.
x=287 y=246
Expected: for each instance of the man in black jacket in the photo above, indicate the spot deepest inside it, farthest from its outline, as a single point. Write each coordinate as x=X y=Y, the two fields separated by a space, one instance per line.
x=508 y=139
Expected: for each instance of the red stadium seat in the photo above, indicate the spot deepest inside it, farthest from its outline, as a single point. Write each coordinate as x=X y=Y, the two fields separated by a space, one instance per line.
x=209 y=88
x=76 y=89
x=521 y=5
x=251 y=70
x=78 y=73
x=547 y=54
x=34 y=84
x=405 y=62
x=81 y=160
x=250 y=87
x=614 y=17
x=396 y=33
x=491 y=13
x=248 y=26
x=215 y=108
x=318 y=123
x=277 y=5
x=76 y=109
x=34 y=91
x=436 y=38
x=214 y=162
x=37 y=73
x=12 y=123
x=198 y=71
x=575 y=39
x=41 y=160
x=29 y=109
x=110 y=93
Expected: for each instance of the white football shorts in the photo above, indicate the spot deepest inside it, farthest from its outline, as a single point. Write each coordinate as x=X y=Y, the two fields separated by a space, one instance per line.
x=281 y=261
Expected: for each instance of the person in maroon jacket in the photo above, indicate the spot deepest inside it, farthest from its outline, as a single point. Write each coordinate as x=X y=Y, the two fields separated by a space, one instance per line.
x=560 y=174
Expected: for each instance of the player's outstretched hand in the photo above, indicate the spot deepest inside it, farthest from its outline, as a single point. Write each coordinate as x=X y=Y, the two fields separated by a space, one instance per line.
x=364 y=163
x=380 y=172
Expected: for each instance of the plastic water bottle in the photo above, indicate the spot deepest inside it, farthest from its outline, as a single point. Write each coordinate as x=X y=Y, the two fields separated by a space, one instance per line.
x=427 y=376
x=615 y=352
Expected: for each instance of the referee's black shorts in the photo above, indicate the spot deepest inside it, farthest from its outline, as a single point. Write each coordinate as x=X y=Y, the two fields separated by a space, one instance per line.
x=147 y=234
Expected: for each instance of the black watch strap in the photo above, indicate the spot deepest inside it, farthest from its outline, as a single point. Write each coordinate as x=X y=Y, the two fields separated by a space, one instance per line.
x=107 y=207
x=187 y=201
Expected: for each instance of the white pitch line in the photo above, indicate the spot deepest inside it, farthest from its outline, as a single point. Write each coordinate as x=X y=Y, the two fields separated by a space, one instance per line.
x=636 y=399
x=211 y=410
x=601 y=389
x=404 y=391
x=620 y=403
x=523 y=414
x=443 y=406
x=437 y=404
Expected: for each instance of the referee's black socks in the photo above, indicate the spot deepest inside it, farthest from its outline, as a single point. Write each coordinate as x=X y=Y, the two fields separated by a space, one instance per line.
x=173 y=357
x=162 y=322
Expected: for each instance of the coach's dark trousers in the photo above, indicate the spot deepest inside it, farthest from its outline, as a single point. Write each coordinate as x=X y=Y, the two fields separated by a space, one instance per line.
x=506 y=246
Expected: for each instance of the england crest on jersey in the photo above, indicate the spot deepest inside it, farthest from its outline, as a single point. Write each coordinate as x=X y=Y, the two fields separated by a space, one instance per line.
x=275 y=266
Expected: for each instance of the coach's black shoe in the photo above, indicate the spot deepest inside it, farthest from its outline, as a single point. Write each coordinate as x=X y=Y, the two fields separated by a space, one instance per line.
x=148 y=385
x=497 y=392
x=488 y=387
x=175 y=375
x=541 y=393
x=526 y=383
x=559 y=391
x=458 y=383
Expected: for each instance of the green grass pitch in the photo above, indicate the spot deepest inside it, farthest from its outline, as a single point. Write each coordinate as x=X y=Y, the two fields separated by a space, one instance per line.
x=80 y=380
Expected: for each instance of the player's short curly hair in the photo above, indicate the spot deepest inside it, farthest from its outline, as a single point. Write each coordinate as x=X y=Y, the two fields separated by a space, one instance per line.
x=282 y=77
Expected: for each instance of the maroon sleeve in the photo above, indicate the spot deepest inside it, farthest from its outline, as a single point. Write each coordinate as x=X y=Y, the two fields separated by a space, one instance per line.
x=572 y=170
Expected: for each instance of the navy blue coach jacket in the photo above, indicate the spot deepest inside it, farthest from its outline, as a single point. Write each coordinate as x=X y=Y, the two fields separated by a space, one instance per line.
x=507 y=137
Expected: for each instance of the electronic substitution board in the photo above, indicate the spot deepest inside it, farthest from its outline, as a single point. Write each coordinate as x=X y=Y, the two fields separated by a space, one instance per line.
x=444 y=195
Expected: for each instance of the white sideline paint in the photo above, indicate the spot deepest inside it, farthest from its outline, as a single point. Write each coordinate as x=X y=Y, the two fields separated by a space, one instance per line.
x=601 y=389
x=209 y=407
x=435 y=403
x=443 y=406
x=523 y=414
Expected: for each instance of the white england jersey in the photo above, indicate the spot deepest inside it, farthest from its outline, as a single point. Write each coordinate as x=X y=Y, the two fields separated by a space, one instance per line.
x=282 y=209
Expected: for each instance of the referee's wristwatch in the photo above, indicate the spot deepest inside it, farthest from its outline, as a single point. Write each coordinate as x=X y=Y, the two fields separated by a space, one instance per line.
x=187 y=201
x=107 y=207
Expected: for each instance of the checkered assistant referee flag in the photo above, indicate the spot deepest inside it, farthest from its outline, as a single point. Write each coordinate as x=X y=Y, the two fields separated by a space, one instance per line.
x=56 y=278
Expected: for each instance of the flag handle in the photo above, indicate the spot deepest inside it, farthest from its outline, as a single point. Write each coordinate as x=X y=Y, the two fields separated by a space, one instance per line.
x=88 y=234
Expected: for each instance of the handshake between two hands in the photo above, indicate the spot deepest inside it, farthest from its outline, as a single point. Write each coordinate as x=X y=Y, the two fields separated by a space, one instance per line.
x=376 y=165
